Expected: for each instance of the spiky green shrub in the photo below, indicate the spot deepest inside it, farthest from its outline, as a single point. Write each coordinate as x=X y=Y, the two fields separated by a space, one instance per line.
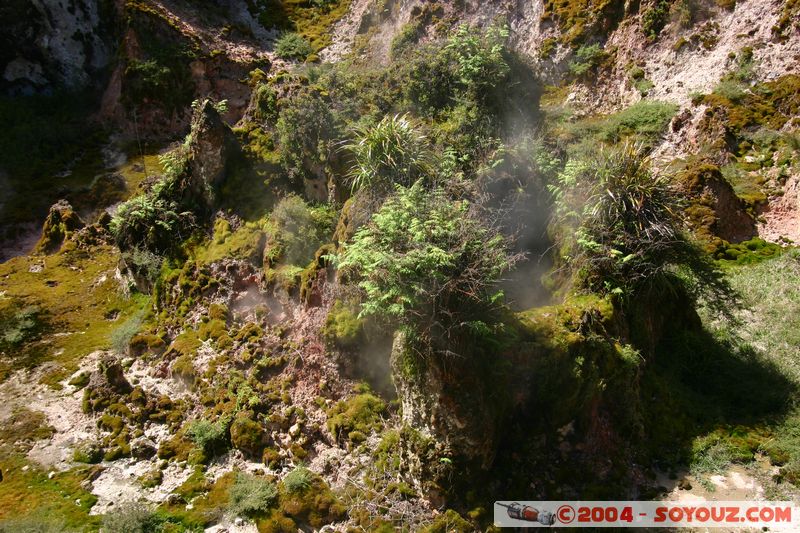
x=619 y=223
x=391 y=152
x=291 y=45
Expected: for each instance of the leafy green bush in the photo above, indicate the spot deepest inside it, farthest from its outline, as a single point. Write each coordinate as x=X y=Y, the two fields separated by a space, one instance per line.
x=305 y=127
x=655 y=18
x=425 y=259
x=250 y=495
x=265 y=102
x=480 y=58
x=587 y=57
x=391 y=152
x=291 y=45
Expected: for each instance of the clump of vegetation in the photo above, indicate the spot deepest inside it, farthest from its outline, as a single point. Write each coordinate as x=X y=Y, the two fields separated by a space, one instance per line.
x=480 y=59
x=298 y=480
x=342 y=325
x=121 y=337
x=250 y=495
x=354 y=419
x=18 y=324
x=640 y=82
x=620 y=223
x=388 y=153
x=291 y=45
x=156 y=221
x=427 y=261
x=208 y=436
x=587 y=58
x=311 y=19
x=132 y=518
x=304 y=129
x=300 y=230
x=579 y=20
x=655 y=18
x=646 y=119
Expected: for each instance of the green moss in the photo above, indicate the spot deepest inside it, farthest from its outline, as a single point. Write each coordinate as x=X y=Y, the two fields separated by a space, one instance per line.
x=151 y=479
x=312 y=20
x=146 y=343
x=247 y=243
x=77 y=286
x=183 y=368
x=311 y=501
x=185 y=344
x=25 y=425
x=88 y=452
x=353 y=419
x=32 y=492
x=248 y=435
x=579 y=20
x=767 y=105
x=449 y=522
x=342 y=326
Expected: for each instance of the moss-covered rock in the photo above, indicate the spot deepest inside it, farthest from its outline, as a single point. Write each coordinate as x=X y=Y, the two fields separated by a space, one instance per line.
x=61 y=222
x=352 y=420
x=248 y=434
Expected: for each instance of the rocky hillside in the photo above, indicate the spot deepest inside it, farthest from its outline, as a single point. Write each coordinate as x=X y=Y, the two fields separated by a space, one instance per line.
x=352 y=265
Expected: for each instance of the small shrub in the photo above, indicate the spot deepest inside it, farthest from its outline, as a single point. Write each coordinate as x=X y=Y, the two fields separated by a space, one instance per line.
x=291 y=45
x=645 y=119
x=298 y=480
x=391 y=152
x=731 y=89
x=265 y=102
x=208 y=436
x=143 y=263
x=250 y=495
x=122 y=335
x=587 y=57
x=655 y=18
x=480 y=57
x=355 y=418
x=305 y=126
x=301 y=229
x=132 y=518
x=19 y=325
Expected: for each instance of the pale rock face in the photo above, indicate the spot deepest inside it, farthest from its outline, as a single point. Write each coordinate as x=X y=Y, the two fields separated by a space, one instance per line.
x=56 y=43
